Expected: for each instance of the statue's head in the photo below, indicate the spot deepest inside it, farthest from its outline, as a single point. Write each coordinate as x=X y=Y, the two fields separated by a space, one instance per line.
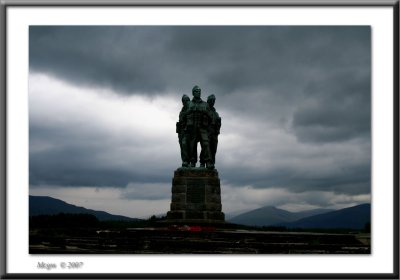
x=211 y=100
x=185 y=99
x=196 y=91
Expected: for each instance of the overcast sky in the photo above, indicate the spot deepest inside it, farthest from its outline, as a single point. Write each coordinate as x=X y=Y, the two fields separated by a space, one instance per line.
x=295 y=104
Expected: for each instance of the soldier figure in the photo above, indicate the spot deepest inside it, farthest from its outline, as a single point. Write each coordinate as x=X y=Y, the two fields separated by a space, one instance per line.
x=182 y=131
x=198 y=119
x=213 y=131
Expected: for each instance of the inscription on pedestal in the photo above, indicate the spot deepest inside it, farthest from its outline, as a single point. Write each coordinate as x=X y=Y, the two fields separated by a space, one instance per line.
x=196 y=197
x=195 y=192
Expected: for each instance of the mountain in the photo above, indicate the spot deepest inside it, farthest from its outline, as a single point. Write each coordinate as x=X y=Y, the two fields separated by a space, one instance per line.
x=230 y=215
x=269 y=215
x=355 y=217
x=309 y=213
x=45 y=205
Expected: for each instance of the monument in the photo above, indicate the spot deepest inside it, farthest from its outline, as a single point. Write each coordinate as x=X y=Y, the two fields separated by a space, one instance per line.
x=196 y=191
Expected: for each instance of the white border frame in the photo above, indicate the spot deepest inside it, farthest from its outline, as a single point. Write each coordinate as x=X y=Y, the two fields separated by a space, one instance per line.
x=381 y=19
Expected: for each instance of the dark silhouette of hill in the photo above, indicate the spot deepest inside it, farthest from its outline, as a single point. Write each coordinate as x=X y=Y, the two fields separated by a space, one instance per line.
x=269 y=215
x=309 y=213
x=63 y=220
x=356 y=217
x=45 y=205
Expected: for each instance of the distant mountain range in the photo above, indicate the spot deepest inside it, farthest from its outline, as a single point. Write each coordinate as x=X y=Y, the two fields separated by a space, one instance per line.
x=269 y=215
x=353 y=217
x=45 y=205
x=356 y=217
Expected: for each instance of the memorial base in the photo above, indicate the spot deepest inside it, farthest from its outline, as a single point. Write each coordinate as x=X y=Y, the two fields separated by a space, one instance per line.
x=196 y=197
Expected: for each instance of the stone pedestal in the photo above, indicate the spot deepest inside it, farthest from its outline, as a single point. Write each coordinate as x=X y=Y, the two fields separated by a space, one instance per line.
x=196 y=197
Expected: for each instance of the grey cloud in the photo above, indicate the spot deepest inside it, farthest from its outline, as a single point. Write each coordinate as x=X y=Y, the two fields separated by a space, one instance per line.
x=81 y=156
x=312 y=82
x=339 y=112
x=118 y=58
x=352 y=180
x=267 y=71
x=225 y=59
x=147 y=192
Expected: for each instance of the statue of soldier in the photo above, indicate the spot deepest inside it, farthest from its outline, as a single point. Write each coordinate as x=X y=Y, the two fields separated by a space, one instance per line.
x=182 y=131
x=198 y=119
x=213 y=131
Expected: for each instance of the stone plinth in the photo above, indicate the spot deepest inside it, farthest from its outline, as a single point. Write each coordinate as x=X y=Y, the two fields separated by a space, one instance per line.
x=196 y=197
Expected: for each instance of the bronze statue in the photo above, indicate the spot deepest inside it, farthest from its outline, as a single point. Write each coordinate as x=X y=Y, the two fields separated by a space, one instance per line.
x=182 y=133
x=196 y=121
x=213 y=131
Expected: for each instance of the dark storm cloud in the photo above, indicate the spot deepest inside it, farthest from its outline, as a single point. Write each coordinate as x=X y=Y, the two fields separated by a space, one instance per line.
x=339 y=112
x=354 y=179
x=226 y=59
x=311 y=82
x=125 y=59
x=273 y=70
x=84 y=156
